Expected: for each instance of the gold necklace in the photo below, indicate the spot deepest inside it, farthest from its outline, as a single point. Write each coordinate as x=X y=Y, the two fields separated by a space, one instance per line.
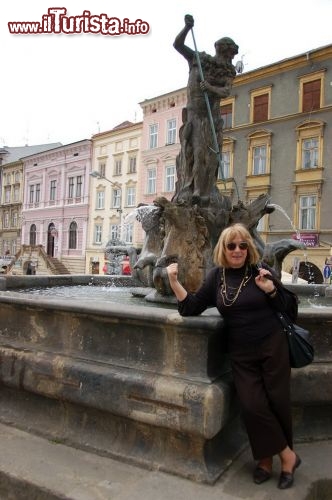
x=229 y=301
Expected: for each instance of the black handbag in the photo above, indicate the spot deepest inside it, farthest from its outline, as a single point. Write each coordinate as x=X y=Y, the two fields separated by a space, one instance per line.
x=301 y=351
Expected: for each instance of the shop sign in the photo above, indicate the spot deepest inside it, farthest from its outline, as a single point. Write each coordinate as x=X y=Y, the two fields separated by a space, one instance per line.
x=309 y=239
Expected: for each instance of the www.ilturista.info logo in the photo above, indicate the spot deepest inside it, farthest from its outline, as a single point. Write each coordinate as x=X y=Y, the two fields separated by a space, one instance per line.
x=56 y=21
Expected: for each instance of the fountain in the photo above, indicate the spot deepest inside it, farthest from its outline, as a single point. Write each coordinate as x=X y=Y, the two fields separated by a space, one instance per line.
x=186 y=229
x=143 y=384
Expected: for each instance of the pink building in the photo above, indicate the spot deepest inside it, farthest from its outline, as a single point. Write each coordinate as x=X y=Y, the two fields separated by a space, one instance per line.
x=162 y=118
x=56 y=203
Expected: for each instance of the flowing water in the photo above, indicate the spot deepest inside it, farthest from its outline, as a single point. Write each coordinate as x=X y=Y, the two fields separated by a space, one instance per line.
x=283 y=211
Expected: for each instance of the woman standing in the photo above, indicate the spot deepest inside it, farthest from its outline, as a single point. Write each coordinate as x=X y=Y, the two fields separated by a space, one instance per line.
x=247 y=298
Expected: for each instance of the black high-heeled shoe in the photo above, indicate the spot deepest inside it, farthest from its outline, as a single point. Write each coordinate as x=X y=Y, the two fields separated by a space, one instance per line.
x=286 y=479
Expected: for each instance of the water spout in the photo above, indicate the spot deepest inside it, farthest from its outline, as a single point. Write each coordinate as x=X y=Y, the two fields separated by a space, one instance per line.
x=283 y=211
x=140 y=212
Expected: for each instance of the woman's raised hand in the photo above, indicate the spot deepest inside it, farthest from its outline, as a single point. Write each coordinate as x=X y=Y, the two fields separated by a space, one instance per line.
x=172 y=271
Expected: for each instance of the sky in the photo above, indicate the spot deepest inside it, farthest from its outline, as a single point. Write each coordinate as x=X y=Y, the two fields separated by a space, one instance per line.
x=58 y=87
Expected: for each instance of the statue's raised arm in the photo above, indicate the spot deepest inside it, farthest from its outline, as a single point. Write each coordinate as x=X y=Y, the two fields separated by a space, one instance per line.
x=179 y=45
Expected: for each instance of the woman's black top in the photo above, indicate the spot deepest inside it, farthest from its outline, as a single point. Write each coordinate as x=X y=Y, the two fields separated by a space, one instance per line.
x=251 y=316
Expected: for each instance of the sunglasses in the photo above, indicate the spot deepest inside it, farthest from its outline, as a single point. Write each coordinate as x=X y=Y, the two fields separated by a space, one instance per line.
x=243 y=245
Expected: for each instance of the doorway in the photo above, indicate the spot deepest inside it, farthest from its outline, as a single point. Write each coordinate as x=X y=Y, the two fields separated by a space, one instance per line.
x=50 y=239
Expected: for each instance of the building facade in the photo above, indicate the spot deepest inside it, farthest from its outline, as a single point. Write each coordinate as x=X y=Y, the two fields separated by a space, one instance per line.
x=113 y=192
x=11 y=207
x=162 y=119
x=278 y=140
x=12 y=175
x=56 y=203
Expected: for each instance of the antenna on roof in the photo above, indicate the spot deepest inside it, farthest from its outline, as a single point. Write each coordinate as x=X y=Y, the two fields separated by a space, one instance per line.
x=239 y=67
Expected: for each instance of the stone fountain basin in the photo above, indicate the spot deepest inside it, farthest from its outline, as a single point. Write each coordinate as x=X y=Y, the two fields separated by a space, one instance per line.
x=138 y=383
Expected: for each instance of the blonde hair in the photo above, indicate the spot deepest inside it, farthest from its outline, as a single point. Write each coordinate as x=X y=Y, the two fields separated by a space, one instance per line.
x=227 y=236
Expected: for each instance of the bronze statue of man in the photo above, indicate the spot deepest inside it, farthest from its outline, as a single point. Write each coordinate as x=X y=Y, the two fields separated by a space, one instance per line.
x=197 y=163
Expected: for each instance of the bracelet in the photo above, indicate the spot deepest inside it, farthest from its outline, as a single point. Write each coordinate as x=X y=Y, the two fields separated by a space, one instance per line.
x=272 y=292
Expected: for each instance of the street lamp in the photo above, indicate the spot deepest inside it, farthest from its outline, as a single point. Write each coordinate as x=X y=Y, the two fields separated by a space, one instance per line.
x=97 y=175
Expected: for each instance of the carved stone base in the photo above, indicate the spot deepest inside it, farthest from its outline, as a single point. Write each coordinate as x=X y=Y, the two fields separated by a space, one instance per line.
x=147 y=446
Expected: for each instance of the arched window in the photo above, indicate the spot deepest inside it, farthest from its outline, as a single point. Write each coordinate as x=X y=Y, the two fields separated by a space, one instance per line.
x=32 y=234
x=73 y=235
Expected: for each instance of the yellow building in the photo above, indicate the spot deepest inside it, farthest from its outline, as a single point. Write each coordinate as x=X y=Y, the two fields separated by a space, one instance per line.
x=113 y=192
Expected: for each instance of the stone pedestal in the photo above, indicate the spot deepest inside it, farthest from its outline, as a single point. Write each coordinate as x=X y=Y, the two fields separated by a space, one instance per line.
x=141 y=384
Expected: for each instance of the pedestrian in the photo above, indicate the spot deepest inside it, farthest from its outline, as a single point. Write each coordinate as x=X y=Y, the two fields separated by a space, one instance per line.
x=247 y=298
x=125 y=265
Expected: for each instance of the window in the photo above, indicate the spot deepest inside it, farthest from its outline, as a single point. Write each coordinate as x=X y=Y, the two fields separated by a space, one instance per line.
x=7 y=194
x=310 y=153
x=171 y=131
x=52 y=190
x=307 y=212
x=34 y=193
x=116 y=198
x=14 y=219
x=6 y=246
x=102 y=169
x=72 y=235
x=151 y=181
x=260 y=100
x=71 y=187
x=33 y=234
x=227 y=115
x=261 y=108
x=37 y=195
x=226 y=165
x=97 y=233
x=115 y=232
x=153 y=136
x=131 y=196
x=118 y=167
x=132 y=165
x=310 y=145
x=128 y=233
x=79 y=184
x=16 y=193
x=311 y=95
x=100 y=200
x=6 y=220
x=259 y=160
x=14 y=247
x=31 y=194
x=169 y=179
x=74 y=187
